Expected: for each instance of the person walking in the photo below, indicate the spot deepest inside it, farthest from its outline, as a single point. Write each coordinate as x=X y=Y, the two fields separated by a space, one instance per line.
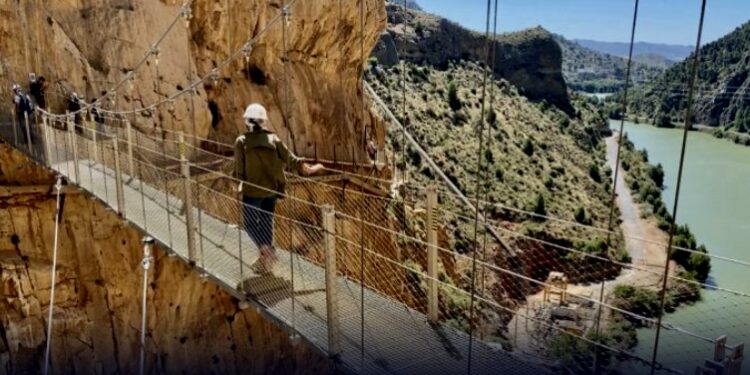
x=260 y=161
x=38 y=90
x=23 y=108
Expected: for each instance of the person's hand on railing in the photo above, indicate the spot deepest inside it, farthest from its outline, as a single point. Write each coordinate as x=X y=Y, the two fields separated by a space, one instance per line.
x=312 y=170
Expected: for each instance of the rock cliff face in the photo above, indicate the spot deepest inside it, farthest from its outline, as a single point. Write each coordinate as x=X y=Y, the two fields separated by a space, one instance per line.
x=531 y=59
x=193 y=326
x=88 y=45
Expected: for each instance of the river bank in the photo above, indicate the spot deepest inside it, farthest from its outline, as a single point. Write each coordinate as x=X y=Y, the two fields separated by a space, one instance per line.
x=741 y=139
x=714 y=203
x=645 y=244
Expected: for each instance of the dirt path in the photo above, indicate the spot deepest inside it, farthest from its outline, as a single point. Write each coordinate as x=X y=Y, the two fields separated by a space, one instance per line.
x=644 y=242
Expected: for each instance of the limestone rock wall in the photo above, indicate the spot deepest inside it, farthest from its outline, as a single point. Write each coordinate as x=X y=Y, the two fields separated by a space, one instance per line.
x=193 y=326
x=87 y=46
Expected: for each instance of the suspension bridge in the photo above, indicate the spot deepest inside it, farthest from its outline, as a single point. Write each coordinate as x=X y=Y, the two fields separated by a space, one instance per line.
x=313 y=300
x=341 y=283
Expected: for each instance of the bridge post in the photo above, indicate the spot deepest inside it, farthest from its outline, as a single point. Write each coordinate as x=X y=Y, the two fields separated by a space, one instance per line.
x=28 y=132
x=15 y=126
x=432 y=256
x=74 y=148
x=332 y=307
x=148 y=243
x=94 y=134
x=119 y=190
x=188 y=202
x=45 y=132
x=129 y=129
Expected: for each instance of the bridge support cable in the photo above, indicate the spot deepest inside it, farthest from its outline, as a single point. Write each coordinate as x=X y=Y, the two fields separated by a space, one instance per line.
x=148 y=244
x=53 y=280
x=620 y=140
x=478 y=190
x=287 y=115
x=673 y=223
x=188 y=15
x=490 y=142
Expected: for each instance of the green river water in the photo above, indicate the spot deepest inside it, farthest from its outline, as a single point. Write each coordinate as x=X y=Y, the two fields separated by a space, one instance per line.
x=715 y=203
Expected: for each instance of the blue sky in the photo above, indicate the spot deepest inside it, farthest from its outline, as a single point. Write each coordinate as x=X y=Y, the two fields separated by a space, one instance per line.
x=660 y=21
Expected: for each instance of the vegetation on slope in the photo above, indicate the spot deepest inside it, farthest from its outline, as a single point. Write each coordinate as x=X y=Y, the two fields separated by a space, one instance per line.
x=537 y=158
x=596 y=72
x=722 y=85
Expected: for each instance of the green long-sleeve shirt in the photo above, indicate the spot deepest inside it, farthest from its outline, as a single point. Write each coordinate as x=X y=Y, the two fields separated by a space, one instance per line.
x=260 y=160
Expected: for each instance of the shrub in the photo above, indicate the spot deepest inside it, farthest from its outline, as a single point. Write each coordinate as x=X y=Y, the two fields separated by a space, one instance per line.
x=657 y=175
x=499 y=175
x=572 y=352
x=638 y=300
x=539 y=206
x=594 y=173
x=419 y=29
x=459 y=118
x=580 y=215
x=414 y=157
x=454 y=102
x=549 y=183
x=699 y=264
x=489 y=156
x=663 y=121
x=597 y=247
x=492 y=118
x=528 y=147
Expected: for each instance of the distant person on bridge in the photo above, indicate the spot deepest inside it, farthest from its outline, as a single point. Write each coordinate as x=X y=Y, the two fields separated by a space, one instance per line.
x=23 y=107
x=260 y=160
x=74 y=105
x=38 y=88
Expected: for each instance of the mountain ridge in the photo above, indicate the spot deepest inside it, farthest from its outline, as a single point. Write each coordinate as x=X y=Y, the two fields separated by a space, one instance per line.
x=530 y=59
x=591 y=71
x=672 y=52
x=723 y=81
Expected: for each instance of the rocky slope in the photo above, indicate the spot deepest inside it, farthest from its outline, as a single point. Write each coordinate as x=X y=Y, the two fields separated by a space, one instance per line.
x=723 y=83
x=193 y=326
x=530 y=59
x=88 y=46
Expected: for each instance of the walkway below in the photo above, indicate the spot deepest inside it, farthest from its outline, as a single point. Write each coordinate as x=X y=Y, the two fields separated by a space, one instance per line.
x=398 y=339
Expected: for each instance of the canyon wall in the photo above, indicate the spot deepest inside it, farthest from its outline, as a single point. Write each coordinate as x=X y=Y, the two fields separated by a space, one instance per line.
x=86 y=46
x=530 y=59
x=193 y=326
